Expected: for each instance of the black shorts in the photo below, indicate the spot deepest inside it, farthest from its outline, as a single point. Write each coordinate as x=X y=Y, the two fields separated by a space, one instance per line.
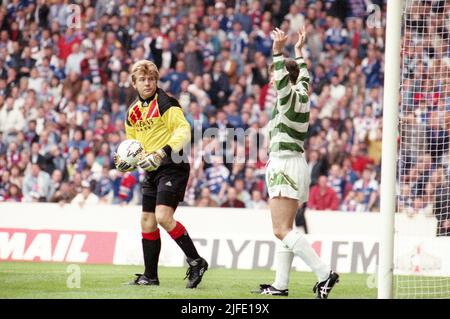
x=165 y=186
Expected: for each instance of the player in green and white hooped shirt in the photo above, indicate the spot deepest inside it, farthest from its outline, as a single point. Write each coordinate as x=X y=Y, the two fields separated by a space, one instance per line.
x=287 y=173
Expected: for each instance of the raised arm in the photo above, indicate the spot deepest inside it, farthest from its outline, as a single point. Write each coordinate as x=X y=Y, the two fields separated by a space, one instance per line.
x=280 y=73
x=303 y=80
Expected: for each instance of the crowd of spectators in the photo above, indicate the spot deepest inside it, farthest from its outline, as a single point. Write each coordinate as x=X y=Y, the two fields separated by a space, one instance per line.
x=424 y=185
x=64 y=92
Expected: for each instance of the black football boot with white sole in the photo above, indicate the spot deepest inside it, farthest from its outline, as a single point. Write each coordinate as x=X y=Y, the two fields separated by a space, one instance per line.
x=323 y=288
x=195 y=272
x=143 y=280
x=266 y=289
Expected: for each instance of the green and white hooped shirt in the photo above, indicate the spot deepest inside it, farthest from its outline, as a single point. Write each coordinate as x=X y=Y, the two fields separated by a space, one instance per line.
x=290 y=117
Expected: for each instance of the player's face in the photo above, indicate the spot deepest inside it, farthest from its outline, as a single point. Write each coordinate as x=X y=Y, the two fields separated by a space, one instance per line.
x=145 y=85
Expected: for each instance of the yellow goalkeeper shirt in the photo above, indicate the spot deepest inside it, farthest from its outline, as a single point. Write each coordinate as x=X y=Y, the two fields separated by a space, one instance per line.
x=157 y=122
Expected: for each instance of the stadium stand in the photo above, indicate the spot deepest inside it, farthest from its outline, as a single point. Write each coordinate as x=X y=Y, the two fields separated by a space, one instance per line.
x=64 y=92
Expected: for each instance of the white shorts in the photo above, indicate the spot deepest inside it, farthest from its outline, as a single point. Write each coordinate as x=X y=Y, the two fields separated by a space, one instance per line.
x=288 y=176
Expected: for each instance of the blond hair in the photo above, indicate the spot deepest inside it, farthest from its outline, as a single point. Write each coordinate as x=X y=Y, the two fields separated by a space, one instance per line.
x=145 y=67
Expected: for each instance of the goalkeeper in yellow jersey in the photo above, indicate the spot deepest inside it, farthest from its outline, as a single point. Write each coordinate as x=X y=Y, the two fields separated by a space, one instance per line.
x=157 y=121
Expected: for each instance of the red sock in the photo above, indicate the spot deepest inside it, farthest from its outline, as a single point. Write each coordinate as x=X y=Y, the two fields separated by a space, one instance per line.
x=178 y=231
x=151 y=247
x=182 y=238
x=154 y=235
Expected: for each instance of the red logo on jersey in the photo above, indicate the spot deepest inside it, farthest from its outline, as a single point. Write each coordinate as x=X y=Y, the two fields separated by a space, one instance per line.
x=153 y=110
x=135 y=114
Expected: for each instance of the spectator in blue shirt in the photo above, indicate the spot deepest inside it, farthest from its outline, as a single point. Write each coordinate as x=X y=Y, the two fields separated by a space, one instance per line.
x=78 y=141
x=371 y=67
x=104 y=185
x=217 y=178
x=263 y=39
x=244 y=18
x=234 y=117
x=336 y=36
x=369 y=186
x=238 y=39
x=174 y=78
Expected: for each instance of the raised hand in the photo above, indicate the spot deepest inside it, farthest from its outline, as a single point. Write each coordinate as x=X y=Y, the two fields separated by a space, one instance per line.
x=301 y=41
x=279 y=40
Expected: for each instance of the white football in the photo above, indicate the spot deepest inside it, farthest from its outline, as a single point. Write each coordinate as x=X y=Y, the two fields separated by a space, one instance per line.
x=130 y=151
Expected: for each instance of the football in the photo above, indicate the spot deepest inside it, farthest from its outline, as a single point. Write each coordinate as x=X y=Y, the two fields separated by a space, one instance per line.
x=130 y=151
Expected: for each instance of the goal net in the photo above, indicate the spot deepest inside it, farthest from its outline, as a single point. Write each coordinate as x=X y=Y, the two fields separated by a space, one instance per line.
x=422 y=244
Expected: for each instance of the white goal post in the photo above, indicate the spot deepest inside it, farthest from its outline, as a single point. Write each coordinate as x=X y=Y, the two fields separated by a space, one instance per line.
x=415 y=176
x=389 y=148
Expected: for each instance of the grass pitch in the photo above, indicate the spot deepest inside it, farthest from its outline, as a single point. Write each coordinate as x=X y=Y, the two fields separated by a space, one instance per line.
x=50 y=280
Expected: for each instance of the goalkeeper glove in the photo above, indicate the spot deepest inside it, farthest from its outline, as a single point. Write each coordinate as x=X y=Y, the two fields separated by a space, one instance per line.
x=152 y=161
x=122 y=166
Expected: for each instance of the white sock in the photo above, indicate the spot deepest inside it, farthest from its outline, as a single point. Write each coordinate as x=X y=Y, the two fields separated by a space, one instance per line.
x=283 y=263
x=297 y=242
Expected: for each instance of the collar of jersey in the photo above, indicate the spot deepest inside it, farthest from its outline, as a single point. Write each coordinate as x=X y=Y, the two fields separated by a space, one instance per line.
x=146 y=102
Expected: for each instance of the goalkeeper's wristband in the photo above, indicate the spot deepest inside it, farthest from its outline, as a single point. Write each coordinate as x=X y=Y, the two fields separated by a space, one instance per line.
x=167 y=150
